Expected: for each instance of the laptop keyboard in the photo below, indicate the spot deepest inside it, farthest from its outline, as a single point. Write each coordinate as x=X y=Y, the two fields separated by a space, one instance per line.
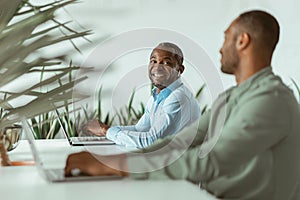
x=83 y=139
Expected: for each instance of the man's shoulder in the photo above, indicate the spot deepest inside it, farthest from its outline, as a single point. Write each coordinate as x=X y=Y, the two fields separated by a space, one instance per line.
x=270 y=84
x=270 y=88
x=181 y=92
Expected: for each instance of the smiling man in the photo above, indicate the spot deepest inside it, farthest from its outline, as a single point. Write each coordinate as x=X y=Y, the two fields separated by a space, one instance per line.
x=170 y=108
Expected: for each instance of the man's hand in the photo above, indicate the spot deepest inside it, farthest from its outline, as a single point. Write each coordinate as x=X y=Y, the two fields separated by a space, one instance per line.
x=95 y=165
x=95 y=127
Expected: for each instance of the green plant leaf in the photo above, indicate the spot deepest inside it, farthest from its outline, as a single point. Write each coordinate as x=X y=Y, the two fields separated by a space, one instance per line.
x=8 y=8
x=99 y=108
x=204 y=110
x=38 y=106
x=130 y=102
x=42 y=83
x=200 y=91
x=22 y=38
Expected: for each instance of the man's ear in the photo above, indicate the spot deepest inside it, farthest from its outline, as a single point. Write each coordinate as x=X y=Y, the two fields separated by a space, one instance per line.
x=181 y=69
x=243 y=41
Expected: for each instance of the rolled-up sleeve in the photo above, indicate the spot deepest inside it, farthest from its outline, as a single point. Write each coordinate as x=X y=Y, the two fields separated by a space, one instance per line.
x=255 y=127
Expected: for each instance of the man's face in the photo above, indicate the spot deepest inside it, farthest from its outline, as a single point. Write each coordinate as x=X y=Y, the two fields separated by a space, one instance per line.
x=229 y=55
x=163 y=68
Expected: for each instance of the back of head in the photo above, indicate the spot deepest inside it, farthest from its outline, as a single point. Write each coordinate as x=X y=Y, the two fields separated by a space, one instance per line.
x=262 y=27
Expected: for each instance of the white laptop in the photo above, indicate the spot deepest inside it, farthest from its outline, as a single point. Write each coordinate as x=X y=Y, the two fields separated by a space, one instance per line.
x=55 y=175
x=84 y=140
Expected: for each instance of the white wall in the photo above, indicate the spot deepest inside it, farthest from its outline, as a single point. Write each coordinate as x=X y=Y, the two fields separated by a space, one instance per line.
x=203 y=21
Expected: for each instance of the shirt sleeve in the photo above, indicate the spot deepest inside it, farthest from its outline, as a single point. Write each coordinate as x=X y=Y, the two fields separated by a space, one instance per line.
x=163 y=149
x=189 y=137
x=122 y=134
x=142 y=125
x=254 y=127
x=147 y=133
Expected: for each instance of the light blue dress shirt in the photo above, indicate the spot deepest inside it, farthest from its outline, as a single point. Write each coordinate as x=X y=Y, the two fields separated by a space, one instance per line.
x=166 y=113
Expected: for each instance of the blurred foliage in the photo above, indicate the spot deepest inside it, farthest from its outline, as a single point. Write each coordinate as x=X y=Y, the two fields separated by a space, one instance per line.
x=45 y=126
x=22 y=35
x=130 y=115
x=198 y=96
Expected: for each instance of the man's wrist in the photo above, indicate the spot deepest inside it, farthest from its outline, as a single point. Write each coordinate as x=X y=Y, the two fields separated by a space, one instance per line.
x=103 y=128
x=116 y=165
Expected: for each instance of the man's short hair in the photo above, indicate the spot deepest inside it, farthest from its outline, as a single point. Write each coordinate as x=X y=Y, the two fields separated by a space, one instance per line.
x=262 y=26
x=173 y=48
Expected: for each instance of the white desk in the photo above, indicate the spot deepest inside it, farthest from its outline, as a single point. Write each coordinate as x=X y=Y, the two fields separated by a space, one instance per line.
x=24 y=183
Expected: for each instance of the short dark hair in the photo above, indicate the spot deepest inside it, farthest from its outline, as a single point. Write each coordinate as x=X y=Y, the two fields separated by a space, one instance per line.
x=173 y=48
x=262 y=26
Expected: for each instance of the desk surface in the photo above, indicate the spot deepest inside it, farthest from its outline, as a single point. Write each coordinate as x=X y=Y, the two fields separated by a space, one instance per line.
x=24 y=182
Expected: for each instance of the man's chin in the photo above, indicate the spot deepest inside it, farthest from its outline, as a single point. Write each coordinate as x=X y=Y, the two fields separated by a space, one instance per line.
x=159 y=86
x=226 y=70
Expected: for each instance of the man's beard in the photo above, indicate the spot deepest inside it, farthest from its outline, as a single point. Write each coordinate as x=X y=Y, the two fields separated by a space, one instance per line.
x=159 y=86
x=230 y=67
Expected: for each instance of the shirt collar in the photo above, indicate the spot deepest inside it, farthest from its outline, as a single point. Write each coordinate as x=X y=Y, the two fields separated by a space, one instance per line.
x=243 y=87
x=164 y=93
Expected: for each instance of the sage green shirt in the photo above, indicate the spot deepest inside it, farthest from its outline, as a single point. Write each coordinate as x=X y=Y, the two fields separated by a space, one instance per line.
x=246 y=147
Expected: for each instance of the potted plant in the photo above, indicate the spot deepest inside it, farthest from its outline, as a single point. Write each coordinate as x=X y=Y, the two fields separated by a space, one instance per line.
x=22 y=36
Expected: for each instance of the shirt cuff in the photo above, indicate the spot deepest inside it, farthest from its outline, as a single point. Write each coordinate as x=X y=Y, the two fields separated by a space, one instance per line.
x=112 y=133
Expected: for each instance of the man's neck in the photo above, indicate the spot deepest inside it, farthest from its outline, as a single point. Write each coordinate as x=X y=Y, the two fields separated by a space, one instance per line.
x=250 y=64
x=176 y=83
x=244 y=73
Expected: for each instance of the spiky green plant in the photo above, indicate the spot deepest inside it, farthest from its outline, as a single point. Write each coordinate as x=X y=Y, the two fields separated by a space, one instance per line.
x=71 y=123
x=21 y=36
x=198 y=95
x=98 y=113
x=45 y=126
x=107 y=118
x=73 y=120
x=130 y=115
